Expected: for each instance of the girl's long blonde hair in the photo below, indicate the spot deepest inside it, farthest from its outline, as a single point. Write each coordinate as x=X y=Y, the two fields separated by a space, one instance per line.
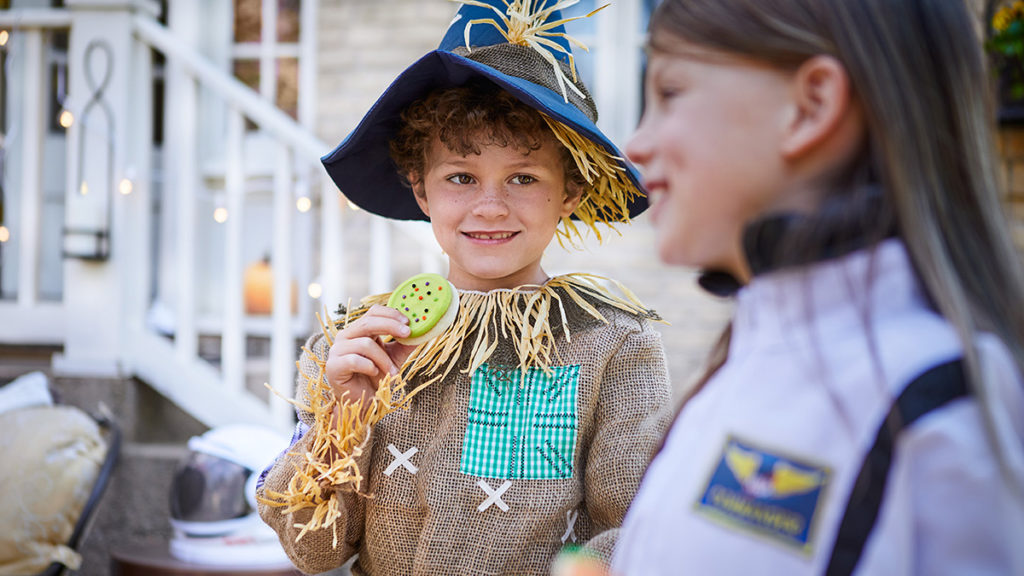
x=917 y=68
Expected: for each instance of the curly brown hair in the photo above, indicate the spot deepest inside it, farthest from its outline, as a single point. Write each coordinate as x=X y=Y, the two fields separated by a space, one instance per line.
x=466 y=117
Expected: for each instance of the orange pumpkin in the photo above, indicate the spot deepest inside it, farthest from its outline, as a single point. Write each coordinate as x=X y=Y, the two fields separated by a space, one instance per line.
x=258 y=289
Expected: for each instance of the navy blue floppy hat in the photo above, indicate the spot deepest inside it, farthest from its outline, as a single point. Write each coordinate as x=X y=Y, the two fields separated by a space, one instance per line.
x=521 y=46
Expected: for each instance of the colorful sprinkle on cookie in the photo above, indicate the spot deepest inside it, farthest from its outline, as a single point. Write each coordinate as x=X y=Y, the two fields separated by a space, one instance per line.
x=437 y=313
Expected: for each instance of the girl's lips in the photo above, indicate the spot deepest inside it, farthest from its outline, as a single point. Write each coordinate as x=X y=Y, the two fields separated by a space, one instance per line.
x=490 y=238
x=656 y=197
x=654 y=187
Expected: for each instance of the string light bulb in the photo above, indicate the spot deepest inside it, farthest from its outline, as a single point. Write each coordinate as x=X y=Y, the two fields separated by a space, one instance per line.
x=66 y=119
x=304 y=204
x=125 y=187
x=220 y=215
x=84 y=188
x=5 y=234
x=315 y=290
x=4 y=37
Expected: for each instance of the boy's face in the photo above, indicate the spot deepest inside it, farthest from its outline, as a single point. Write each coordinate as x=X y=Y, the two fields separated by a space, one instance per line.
x=495 y=213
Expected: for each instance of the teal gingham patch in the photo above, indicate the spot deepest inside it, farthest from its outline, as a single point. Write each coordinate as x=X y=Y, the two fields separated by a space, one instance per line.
x=523 y=431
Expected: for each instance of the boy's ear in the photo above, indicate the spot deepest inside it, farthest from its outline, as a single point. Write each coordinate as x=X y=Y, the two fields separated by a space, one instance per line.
x=573 y=196
x=822 y=107
x=419 y=193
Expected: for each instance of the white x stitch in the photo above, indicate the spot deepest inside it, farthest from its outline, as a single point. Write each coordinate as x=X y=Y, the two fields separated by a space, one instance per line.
x=401 y=460
x=493 y=496
x=570 y=520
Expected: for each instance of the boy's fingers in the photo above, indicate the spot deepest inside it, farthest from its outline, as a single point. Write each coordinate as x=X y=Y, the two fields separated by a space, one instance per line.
x=367 y=348
x=371 y=326
x=386 y=312
x=345 y=367
x=398 y=352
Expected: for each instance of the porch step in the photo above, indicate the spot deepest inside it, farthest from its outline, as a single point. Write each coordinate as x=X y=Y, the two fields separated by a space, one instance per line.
x=136 y=506
x=16 y=360
x=143 y=415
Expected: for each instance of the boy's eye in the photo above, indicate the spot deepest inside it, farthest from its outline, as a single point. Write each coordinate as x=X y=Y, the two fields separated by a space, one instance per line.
x=463 y=179
x=523 y=179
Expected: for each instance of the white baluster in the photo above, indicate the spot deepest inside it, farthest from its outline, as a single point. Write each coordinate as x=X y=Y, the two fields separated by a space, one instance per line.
x=282 y=346
x=136 y=239
x=185 y=337
x=308 y=65
x=380 y=256
x=232 y=346
x=303 y=236
x=332 y=246
x=31 y=168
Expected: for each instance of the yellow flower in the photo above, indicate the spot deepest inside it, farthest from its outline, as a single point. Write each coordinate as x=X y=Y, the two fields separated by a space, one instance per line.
x=1002 y=19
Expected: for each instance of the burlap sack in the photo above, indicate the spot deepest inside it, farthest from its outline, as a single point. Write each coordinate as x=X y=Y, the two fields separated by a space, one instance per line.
x=433 y=470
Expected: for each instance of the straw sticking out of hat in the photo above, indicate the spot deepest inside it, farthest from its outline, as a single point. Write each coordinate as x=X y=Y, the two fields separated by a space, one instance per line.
x=610 y=193
x=526 y=24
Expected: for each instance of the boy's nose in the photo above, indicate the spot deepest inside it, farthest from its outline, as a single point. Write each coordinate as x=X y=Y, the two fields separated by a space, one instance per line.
x=491 y=203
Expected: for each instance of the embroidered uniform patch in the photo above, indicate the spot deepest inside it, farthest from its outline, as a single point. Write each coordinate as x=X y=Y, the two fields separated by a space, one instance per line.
x=523 y=431
x=767 y=493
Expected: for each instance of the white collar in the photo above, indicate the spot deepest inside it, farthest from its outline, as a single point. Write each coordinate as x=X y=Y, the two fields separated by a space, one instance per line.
x=821 y=299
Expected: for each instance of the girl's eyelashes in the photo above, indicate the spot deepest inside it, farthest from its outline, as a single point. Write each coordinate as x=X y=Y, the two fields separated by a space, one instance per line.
x=523 y=179
x=660 y=96
x=463 y=179
x=662 y=84
x=666 y=94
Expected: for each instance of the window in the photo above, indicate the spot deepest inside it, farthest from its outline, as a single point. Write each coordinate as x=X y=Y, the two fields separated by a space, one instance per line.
x=648 y=11
x=615 y=38
x=649 y=6
x=266 y=47
x=57 y=62
x=584 y=30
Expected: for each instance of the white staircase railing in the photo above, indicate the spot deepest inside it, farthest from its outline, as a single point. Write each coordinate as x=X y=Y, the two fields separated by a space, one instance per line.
x=166 y=355
x=36 y=321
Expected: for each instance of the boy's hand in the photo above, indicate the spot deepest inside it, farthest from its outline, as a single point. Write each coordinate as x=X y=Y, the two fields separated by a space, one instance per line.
x=360 y=358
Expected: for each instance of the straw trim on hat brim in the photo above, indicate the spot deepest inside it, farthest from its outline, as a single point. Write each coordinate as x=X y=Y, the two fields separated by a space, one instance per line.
x=361 y=165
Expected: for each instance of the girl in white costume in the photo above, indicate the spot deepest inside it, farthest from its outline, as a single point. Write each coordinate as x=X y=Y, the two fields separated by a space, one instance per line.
x=832 y=165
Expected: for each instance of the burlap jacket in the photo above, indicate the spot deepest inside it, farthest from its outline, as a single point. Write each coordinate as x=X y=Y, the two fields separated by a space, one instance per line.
x=491 y=473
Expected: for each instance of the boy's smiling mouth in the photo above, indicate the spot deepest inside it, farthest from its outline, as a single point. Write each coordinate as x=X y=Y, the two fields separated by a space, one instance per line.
x=490 y=237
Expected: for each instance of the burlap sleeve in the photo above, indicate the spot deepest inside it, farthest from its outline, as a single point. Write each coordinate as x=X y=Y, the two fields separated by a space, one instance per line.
x=315 y=552
x=633 y=413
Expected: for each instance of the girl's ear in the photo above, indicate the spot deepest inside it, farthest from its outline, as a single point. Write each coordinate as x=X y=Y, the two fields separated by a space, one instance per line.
x=419 y=193
x=822 y=107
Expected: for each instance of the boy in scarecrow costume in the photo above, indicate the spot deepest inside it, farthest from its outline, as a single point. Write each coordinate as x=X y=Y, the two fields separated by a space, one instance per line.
x=525 y=427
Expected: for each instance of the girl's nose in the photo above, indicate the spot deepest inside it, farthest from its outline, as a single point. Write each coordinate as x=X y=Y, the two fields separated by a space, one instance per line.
x=640 y=145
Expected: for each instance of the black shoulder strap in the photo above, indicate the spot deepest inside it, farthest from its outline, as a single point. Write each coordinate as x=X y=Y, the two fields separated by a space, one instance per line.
x=929 y=391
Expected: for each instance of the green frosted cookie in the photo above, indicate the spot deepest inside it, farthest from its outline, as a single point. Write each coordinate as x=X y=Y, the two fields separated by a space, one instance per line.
x=430 y=303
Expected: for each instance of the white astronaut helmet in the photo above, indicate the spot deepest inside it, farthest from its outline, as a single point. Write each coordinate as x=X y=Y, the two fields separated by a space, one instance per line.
x=213 y=491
